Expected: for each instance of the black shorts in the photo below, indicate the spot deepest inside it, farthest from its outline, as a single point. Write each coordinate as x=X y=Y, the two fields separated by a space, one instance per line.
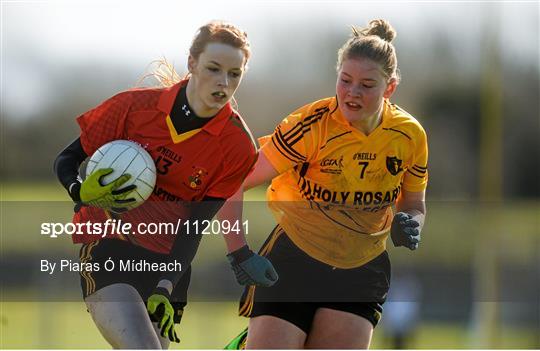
x=306 y=284
x=143 y=281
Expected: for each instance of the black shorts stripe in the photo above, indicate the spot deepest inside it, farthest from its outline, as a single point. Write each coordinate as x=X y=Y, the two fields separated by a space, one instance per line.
x=247 y=306
x=86 y=256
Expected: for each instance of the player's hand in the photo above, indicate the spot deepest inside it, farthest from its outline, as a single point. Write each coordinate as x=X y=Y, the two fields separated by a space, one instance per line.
x=109 y=197
x=405 y=231
x=252 y=269
x=159 y=306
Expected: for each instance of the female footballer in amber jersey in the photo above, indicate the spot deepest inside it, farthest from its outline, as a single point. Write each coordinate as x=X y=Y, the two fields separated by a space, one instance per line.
x=338 y=166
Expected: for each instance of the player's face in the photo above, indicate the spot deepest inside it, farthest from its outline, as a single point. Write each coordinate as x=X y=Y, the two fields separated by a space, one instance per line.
x=361 y=88
x=216 y=75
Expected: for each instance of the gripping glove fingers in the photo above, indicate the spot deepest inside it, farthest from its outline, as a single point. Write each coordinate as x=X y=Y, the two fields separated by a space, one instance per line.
x=118 y=182
x=252 y=269
x=160 y=308
x=93 y=193
x=405 y=231
x=402 y=217
x=413 y=233
x=127 y=189
x=410 y=223
x=167 y=329
x=172 y=336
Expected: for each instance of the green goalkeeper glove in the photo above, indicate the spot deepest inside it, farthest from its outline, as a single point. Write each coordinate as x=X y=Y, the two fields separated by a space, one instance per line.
x=93 y=193
x=159 y=306
x=252 y=269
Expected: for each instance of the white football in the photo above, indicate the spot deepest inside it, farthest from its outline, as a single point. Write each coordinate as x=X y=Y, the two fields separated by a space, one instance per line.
x=126 y=157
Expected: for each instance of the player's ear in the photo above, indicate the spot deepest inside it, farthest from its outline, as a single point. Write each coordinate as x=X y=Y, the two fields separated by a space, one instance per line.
x=192 y=63
x=390 y=88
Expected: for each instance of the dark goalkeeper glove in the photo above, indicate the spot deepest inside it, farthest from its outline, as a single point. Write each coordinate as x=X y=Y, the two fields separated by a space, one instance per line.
x=159 y=306
x=252 y=269
x=404 y=231
x=108 y=197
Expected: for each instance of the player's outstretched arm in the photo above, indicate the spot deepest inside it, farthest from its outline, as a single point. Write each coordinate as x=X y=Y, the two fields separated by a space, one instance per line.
x=184 y=248
x=409 y=219
x=249 y=267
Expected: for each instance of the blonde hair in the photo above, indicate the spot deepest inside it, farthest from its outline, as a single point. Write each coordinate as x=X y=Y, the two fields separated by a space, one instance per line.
x=212 y=32
x=375 y=43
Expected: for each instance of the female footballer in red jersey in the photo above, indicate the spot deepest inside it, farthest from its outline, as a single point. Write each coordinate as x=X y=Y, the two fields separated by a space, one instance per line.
x=337 y=166
x=191 y=131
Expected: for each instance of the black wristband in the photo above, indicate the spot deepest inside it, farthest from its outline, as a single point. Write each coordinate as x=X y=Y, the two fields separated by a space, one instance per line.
x=241 y=254
x=74 y=191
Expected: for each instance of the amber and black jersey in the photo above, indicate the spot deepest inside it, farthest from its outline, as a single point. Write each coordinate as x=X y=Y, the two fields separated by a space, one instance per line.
x=336 y=187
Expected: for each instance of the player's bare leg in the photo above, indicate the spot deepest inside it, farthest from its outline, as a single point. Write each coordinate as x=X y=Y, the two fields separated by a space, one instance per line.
x=121 y=317
x=332 y=329
x=268 y=332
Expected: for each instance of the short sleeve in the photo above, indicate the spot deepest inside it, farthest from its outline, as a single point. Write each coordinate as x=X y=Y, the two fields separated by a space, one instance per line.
x=289 y=145
x=416 y=177
x=239 y=162
x=103 y=123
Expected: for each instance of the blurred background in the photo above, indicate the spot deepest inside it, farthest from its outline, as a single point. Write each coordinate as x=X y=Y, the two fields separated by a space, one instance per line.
x=470 y=75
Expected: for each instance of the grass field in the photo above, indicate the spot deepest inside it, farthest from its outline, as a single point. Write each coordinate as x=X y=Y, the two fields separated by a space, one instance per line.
x=67 y=325
x=206 y=325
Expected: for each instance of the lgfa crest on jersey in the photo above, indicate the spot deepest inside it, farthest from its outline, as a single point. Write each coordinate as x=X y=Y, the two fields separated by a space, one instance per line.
x=393 y=164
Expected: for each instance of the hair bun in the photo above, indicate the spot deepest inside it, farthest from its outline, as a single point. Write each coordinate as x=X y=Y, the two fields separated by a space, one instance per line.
x=380 y=28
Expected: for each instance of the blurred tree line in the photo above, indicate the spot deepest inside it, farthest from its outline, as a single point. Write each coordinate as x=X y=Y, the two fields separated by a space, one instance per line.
x=440 y=87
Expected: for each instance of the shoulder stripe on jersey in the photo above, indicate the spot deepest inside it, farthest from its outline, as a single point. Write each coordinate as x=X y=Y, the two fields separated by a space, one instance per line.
x=284 y=142
x=421 y=171
x=288 y=152
x=399 y=131
x=286 y=145
x=305 y=123
x=416 y=175
x=334 y=137
x=420 y=167
x=305 y=129
x=281 y=152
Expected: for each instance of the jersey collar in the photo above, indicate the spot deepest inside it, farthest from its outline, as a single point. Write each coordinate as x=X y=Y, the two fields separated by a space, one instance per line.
x=214 y=127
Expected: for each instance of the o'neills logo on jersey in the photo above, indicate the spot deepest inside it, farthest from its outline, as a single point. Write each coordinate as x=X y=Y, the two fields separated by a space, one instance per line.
x=332 y=165
x=393 y=164
x=364 y=156
x=195 y=180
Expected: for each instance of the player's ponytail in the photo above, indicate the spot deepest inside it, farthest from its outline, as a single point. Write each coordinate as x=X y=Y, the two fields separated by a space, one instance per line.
x=374 y=43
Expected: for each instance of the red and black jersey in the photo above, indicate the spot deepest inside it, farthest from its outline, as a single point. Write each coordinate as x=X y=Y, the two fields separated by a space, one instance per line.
x=211 y=161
